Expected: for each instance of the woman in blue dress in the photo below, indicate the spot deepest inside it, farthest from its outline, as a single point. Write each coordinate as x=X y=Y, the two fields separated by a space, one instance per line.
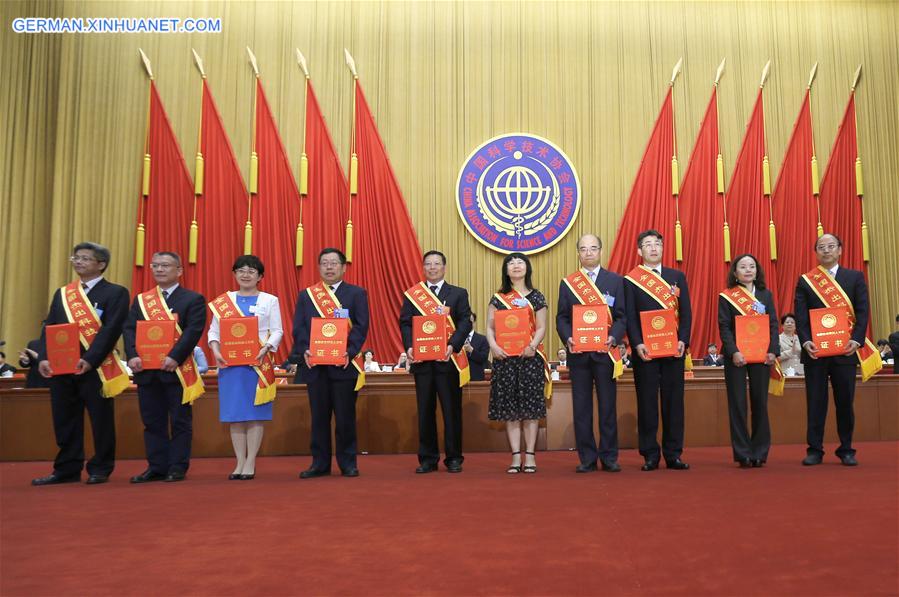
x=237 y=384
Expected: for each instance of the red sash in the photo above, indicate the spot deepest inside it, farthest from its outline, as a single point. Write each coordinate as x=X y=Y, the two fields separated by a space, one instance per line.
x=154 y=308
x=506 y=301
x=743 y=301
x=650 y=282
x=80 y=311
x=832 y=295
x=223 y=307
x=427 y=303
x=326 y=303
x=587 y=293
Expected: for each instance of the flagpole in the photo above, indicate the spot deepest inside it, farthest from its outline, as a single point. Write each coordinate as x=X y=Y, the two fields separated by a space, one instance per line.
x=766 y=175
x=354 y=160
x=200 y=166
x=719 y=169
x=254 y=160
x=859 y=185
x=304 y=162
x=145 y=174
x=816 y=186
x=675 y=174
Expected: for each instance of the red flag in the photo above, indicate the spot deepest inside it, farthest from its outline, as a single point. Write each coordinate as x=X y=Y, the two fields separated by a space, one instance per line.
x=386 y=253
x=795 y=210
x=703 y=217
x=324 y=207
x=276 y=212
x=748 y=210
x=167 y=210
x=650 y=204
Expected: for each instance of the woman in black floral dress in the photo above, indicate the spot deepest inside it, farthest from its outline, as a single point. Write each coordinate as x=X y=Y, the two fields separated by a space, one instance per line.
x=517 y=385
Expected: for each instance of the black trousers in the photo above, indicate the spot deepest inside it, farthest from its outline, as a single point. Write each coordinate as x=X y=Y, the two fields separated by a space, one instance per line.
x=69 y=396
x=756 y=444
x=842 y=378
x=650 y=377
x=160 y=406
x=431 y=384
x=584 y=378
x=337 y=397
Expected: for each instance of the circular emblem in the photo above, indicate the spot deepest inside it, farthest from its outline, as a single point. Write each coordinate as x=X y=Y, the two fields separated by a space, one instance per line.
x=329 y=330
x=154 y=333
x=590 y=316
x=828 y=321
x=512 y=320
x=658 y=322
x=429 y=327
x=518 y=192
x=239 y=330
x=752 y=328
x=61 y=337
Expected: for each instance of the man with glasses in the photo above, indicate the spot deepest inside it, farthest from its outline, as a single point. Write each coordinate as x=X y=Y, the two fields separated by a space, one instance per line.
x=816 y=290
x=649 y=287
x=593 y=285
x=332 y=388
x=99 y=308
x=165 y=395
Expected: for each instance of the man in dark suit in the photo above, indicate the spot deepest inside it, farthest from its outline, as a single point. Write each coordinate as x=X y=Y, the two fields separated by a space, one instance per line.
x=160 y=391
x=839 y=369
x=438 y=379
x=654 y=374
x=331 y=388
x=894 y=346
x=593 y=369
x=71 y=394
x=478 y=351
x=28 y=359
x=714 y=358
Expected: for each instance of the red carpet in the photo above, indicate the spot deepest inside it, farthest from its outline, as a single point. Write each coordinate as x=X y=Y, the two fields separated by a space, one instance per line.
x=713 y=530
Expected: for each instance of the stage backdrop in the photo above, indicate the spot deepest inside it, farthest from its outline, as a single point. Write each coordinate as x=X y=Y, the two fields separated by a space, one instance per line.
x=440 y=79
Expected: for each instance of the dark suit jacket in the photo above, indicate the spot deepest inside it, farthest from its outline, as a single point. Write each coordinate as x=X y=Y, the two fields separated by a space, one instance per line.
x=352 y=298
x=608 y=283
x=707 y=361
x=637 y=301
x=477 y=358
x=107 y=297
x=190 y=307
x=727 y=314
x=33 y=379
x=456 y=299
x=894 y=346
x=853 y=283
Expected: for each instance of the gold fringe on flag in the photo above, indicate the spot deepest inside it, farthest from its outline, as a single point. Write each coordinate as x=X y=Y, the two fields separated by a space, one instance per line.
x=772 y=240
x=859 y=185
x=726 y=243
x=766 y=176
x=139 y=246
x=678 y=242
x=304 y=174
x=719 y=171
x=354 y=174
x=349 y=240
x=675 y=177
x=145 y=186
x=298 y=261
x=816 y=187
x=248 y=238
x=198 y=177
x=865 y=246
x=192 y=249
x=254 y=173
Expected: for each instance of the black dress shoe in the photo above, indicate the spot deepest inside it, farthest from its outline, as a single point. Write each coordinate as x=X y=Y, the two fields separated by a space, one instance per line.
x=744 y=463
x=849 y=460
x=249 y=477
x=757 y=463
x=454 y=467
x=590 y=467
x=234 y=477
x=175 y=476
x=97 y=479
x=610 y=466
x=425 y=468
x=311 y=473
x=147 y=476
x=54 y=479
x=812 y=460
x=350 y=472
x=677 y=464
x=650 y=465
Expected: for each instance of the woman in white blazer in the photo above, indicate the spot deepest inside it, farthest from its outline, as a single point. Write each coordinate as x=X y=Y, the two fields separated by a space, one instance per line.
x=238 y=384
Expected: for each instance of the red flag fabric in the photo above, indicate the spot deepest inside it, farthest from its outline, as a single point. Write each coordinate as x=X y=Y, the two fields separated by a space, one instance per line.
x=795 y=211
x=748 y=210
x=386 y=254
x=703 y=217
x=168 y=209
x=325 y=206
x=650 y=204
x=276 y=211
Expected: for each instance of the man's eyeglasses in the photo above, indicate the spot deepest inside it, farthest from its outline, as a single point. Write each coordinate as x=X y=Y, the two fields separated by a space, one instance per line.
x=330 y=263
x=81 y=259
x=828 y=247
x=593 y=249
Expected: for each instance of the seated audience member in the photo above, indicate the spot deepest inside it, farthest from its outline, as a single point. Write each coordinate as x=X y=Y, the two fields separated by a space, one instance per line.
x=371 y=365
x=624 y=356
x=402 y=362
x=562 y=365
x=28 y=360
x=714 y=358
x=6 y=370
x=884 y=347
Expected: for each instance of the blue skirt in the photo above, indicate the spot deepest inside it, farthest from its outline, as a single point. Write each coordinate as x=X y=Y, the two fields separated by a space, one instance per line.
x=237 y=390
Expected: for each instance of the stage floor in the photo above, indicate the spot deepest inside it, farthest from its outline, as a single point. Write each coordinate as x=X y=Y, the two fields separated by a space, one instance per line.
x=713 y=530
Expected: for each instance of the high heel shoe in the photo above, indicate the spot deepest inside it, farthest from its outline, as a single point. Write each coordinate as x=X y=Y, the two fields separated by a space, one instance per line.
x=531 y=468
x=234 y=477
x=514 y=469
x=249 y=477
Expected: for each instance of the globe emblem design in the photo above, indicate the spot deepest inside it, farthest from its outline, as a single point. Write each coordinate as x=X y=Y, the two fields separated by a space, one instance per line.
x=828 y=321
x=429 y=327
x=517 y=196
x=329 y=330
x=154 y=333
x=590 y=316
x=658 y=322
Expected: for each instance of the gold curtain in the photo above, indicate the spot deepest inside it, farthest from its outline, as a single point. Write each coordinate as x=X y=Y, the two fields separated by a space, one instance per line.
x=441 y=77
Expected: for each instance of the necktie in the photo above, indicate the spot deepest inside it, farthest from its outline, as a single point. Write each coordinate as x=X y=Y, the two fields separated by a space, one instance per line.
x=331 y=288
x=592 y=276
x=83 y=285
x=433 y=289
x=165 y=295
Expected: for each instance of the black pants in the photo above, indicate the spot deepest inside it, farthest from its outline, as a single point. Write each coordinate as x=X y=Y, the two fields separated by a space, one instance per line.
x=842 y=378
x=337 y=397
x=69 y=396
x=746 y=445
x=667 y=375
x=160 y=404
x=431 y=384
x=584 y=378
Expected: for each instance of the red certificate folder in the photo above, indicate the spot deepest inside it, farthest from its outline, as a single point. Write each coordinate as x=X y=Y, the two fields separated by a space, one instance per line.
x=327 y=340
x=512 y=329
x=753 y=337
x=589 y=328
x=659 y=332
x=240 y=340
x=63 y=347
x=154 y=341
x=429 y=337
x=831 y=330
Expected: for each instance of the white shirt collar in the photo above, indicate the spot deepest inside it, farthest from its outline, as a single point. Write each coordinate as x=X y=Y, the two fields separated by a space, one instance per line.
x=170 y=289
x=334 y=286
x=833 y=272
x=595 y=272
x=657 y=269
x=91 y=283
x=439 y=285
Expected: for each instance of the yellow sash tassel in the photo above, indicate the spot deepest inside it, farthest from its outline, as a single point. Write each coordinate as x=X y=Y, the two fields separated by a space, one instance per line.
x=688 y=361
x=617 y=367
x=360 y=382
x=548 y=390
x=115 y=386
x=464 y=377
x=265 y=395
x=193 y=392
x=872 y=364
x=775 y=384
